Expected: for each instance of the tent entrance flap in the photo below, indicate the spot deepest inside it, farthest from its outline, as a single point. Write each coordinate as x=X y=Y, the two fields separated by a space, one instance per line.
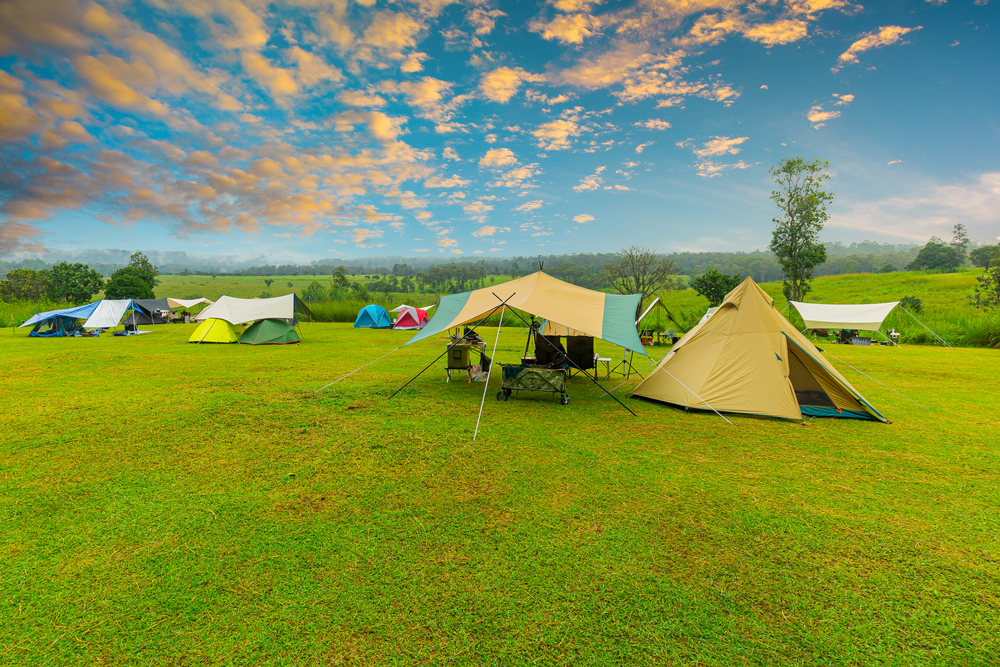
x=808 y=390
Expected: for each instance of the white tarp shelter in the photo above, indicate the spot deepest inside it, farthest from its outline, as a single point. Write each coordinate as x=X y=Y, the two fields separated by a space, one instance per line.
x=399 y=309
x=186 y=303
x=238 y=311
x=108 y=314
x=867 y=316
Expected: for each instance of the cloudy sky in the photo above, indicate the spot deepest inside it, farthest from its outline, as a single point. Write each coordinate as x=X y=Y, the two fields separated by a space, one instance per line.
x=321 y=128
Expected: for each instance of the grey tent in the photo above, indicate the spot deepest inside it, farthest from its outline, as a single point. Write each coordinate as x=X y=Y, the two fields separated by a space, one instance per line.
x=146 y=311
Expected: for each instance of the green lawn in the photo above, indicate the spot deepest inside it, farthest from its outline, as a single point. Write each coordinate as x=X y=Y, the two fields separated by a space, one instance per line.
x=163 y=503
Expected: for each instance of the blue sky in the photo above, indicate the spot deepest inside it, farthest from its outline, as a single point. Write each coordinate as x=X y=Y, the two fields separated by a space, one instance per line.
x=310 y=129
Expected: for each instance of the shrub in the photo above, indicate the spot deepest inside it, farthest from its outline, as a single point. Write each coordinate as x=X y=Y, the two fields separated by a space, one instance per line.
x=911 y=303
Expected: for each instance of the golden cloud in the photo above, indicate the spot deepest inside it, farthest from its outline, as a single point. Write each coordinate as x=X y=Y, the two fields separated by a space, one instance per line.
x=873 y=40
x=583 y=218
x=502 y=83
x=555 y=135
x=498 y=157
x=312 y=69
x=653 y=124
x=779 y=32
x=277 y=80
x=391 y=32
x=567 y=28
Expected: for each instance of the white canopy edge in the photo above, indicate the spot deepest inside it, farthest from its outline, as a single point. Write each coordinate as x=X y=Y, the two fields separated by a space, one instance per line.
x=238 y=311
x=708 y=314
x=108 y=314
x=186 y=303
x=867 y=316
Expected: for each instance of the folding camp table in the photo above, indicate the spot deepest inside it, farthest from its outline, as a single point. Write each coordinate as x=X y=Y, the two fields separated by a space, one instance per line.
x=518 y=377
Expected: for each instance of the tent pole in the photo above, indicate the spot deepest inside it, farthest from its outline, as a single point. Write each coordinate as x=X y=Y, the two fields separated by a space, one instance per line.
x=923 y=325
x=448 y=349
x=489 y=374
x=874 y=380
x=354 y=371
x=592 y=379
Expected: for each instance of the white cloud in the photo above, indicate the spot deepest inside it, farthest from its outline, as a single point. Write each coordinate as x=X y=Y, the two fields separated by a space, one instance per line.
x=930 y=209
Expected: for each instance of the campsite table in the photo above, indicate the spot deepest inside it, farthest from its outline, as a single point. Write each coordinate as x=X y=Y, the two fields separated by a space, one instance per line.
x=459 y=356
x=518 y=377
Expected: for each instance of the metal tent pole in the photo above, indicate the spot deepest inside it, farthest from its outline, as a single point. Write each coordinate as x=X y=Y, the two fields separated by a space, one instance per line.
x=489 y=374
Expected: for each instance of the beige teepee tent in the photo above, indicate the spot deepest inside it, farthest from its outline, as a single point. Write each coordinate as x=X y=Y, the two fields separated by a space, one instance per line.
x=747 y=358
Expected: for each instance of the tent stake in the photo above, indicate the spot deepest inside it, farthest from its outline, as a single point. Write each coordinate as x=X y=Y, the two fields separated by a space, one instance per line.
x=488 y=375
x=592 y=379
x=448 y=349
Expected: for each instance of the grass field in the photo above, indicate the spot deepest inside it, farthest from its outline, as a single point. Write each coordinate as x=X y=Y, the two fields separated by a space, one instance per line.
x=170 y=504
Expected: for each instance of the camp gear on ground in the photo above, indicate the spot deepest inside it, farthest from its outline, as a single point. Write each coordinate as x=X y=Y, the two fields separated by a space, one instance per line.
x=747 y=358
x=373 y=316
x=215 y=331
x=459 y=356
x=269 y=332
x=518 y=377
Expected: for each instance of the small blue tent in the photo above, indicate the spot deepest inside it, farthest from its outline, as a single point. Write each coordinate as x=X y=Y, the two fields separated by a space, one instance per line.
x=62 y=322
x=373 y=316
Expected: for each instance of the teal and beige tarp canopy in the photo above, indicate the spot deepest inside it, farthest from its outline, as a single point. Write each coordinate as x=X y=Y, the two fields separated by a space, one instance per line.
x=610 y=317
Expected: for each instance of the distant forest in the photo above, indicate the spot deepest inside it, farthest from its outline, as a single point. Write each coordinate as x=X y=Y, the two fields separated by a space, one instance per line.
x=580 y=269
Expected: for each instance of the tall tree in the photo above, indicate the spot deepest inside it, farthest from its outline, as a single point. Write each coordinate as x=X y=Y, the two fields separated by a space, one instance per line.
x=802 y=214
x=639 y=270
x=936 y=255
x=960 y=240
x=143 y=267
x=75 y=283
x=985 y=256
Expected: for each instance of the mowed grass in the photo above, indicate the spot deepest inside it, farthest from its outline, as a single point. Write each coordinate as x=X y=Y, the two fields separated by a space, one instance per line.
x=163 y=503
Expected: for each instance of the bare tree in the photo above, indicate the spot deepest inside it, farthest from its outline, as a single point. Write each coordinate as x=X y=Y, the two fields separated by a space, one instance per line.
x=639 y=270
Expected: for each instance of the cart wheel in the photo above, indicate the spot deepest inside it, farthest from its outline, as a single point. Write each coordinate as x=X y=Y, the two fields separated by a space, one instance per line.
x=501 y=395
x=508 y=392
x=564 y=400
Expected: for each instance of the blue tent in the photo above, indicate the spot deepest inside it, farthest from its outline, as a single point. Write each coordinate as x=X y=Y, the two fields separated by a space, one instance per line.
x=373 y=316
x=60 y=322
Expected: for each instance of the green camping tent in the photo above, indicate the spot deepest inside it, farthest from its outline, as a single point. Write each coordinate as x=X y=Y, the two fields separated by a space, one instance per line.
x=269 y=332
